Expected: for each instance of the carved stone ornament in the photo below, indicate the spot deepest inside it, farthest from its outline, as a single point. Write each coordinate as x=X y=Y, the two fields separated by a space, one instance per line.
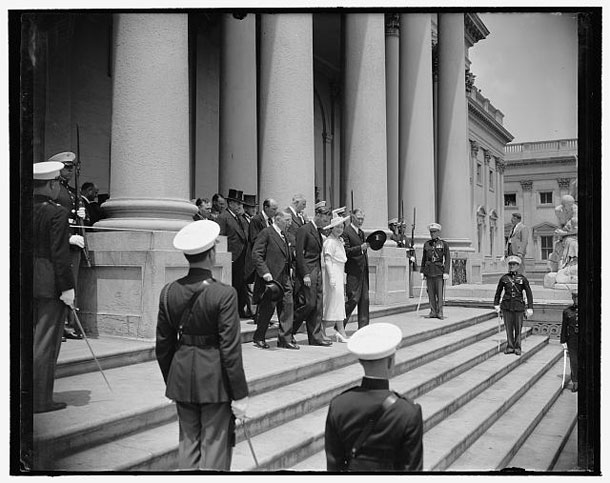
x=486 y=156
x=470 y=77
x=527 y=185
x=474 y=148
x=564 y=183
x=500 y=166
x=392 y=24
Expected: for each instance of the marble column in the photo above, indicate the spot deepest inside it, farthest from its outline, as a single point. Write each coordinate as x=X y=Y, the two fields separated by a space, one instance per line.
x=149 y=178
x=286 y=129
x=364 y=118
x=417 y=121
x=392 y=60
x=238 y=137
x=455 y=211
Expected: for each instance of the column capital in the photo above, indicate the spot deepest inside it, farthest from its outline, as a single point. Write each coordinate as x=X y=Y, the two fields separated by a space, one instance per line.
x=392 y=24
x=500 y=165
x=564 y=183
x=526 y=185
x=474 y=148
x=486 y=156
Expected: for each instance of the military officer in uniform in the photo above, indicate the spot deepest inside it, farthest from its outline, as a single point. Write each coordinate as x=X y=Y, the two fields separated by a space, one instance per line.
x=435 y=266
x=369 y=427
x=569 y=337
x=198 y=348
x=513 y=284
x=53 y=282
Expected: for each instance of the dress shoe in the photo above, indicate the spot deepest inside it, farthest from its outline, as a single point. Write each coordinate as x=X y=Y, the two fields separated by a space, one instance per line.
x=288 y=345
x=574 y=386
x=441 y=317
x=261 y=344
x=63 y=338
x=340 y=338
x=430 y=316
x=322 y=343
x=73 y=335
x=293 y=340
x=54 y=406
x=517 y=352
x=508 y=350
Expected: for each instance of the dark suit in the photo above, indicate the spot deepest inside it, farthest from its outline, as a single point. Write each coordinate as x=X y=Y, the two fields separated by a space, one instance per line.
x=394 y=444
x=235 y=228
x=52 y=275
x=271 y=254
x=94 y=211
x=569 y=336
x=357 y=270
x=257 y=223
x=291 y=233
x=204 y=372
x=308 y=262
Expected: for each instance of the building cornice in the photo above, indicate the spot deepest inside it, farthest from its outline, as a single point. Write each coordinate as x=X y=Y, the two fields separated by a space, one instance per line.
x=487 y=120
x=474 y=28
x=518 y=163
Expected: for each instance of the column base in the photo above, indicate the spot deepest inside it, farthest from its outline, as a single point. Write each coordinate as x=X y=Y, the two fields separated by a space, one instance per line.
x=151 y=214
x=388 y=276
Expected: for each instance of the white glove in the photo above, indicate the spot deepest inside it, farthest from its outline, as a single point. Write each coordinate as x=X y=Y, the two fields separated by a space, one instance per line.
x=497 y=309
x=422 y=276
x=77 y=240
x=81 y=212
x=565 y=346
x=364 y=246
x=445 y=276
x=239 y=407
x=267 y=277
x=67 y=297
x=529 y=313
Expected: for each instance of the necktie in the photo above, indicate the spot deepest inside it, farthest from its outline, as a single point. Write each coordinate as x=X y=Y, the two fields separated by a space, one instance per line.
x=361 y=235
x=269 y=221
x=301 y=218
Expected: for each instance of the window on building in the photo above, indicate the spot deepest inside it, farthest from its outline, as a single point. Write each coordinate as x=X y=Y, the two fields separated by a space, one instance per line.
x=491 y=180
x=546 y=247
x=479 y=173
x=546 y=197
x=510 y=199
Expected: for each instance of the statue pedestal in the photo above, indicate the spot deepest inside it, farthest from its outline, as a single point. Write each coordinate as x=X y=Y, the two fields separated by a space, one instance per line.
x=567 y=277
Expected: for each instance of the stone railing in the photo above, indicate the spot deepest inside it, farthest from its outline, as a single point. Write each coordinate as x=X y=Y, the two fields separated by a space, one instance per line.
x=558 y=145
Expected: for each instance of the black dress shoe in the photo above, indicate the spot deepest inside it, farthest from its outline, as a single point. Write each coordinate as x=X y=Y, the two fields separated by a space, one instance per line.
x=288 y=345
x=574 y=386
x=517 y=352
x=441 y=317
x=73 y=335
x=508 y=350
x=323 y=343
x=293 y=340
x=54 y=406
x=261 y=344
x=430 y=316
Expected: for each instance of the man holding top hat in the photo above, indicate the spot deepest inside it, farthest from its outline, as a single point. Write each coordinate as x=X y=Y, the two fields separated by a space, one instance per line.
x=198 y=348
x=435 y=266
x=272 y=260
x=53 y=281
x=514 y=285
x=370 y=427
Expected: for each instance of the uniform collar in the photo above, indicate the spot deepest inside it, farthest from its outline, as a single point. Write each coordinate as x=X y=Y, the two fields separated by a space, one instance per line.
x=199 y=271
x=374 y=383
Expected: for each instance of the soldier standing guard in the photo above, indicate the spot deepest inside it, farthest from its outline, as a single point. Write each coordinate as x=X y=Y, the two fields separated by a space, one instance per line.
x=198 y=348
x=513 y=306
x=435 y=266
x=53 y=283
x=370 y=427
x=569 y=337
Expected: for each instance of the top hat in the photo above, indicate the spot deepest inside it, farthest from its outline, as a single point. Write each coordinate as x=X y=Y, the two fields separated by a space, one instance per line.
x=273 y=290
x=376 y=239
x=250 y=200
x=235 y=195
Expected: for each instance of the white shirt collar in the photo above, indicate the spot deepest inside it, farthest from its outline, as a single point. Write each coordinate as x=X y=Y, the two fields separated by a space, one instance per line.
x=277 y=228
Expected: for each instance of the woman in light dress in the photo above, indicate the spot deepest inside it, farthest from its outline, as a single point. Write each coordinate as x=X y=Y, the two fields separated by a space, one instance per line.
x=333 y=253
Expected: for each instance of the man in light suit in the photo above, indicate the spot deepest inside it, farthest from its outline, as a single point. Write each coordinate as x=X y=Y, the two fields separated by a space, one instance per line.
x=357 y=269
x=309 y=276
x=272 y=259
x=235 y=228
x=517 y=241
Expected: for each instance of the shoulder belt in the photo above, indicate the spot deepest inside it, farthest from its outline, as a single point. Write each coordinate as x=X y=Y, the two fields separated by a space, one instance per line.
x=387 y=403
x=189 y=306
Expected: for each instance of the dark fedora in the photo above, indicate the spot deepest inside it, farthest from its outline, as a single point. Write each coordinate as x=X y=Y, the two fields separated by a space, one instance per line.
x=376 y=239
x=273 y=290
x=250 y=200
x=235 y=195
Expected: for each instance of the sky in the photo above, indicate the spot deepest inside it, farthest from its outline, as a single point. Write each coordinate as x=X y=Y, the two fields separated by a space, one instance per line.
x=528 y=67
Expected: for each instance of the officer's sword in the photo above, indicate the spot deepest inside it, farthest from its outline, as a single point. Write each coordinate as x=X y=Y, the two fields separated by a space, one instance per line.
x=563 y=374
x=82 y=331
x=421 y=291
x=243 y=424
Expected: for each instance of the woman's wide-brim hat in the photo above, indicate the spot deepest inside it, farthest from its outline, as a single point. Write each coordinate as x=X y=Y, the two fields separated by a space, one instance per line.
x=235 y=195
x=337 y=220
x=376 y=239
x=274 y=291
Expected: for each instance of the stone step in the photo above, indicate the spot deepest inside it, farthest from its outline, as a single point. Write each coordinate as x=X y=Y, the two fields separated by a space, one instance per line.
x=568 y=459
x=496 y=447
x=274 y=406
x=447 y=440
x=542 y=449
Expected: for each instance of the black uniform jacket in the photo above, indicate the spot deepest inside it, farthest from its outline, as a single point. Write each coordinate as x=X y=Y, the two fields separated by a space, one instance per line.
x=271 y=255
x=395 y=443
x=357 y=260
x=569 y=324
x=235 y=228
x=52 y=259
x=435 y=259
x=309 y=249
x=514 y=285
x=201 y=374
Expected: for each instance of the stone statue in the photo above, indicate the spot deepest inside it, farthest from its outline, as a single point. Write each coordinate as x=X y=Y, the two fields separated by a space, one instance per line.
x=563 y=262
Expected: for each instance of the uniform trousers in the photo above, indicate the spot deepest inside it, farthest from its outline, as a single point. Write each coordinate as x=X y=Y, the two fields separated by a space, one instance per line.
x=311 y=310
x=49 y=316
x=205 y=439
x=573 y=352
x=513 y=321
x=435 y=286
x=285 y=313
x=357 y=291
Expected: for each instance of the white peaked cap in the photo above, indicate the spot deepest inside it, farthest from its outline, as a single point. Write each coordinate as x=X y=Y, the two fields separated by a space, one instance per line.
x=197 y=237
x=375 y=341
x=47 y=170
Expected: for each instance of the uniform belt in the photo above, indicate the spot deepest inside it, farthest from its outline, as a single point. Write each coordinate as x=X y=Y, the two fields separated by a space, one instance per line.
x=199 y=340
